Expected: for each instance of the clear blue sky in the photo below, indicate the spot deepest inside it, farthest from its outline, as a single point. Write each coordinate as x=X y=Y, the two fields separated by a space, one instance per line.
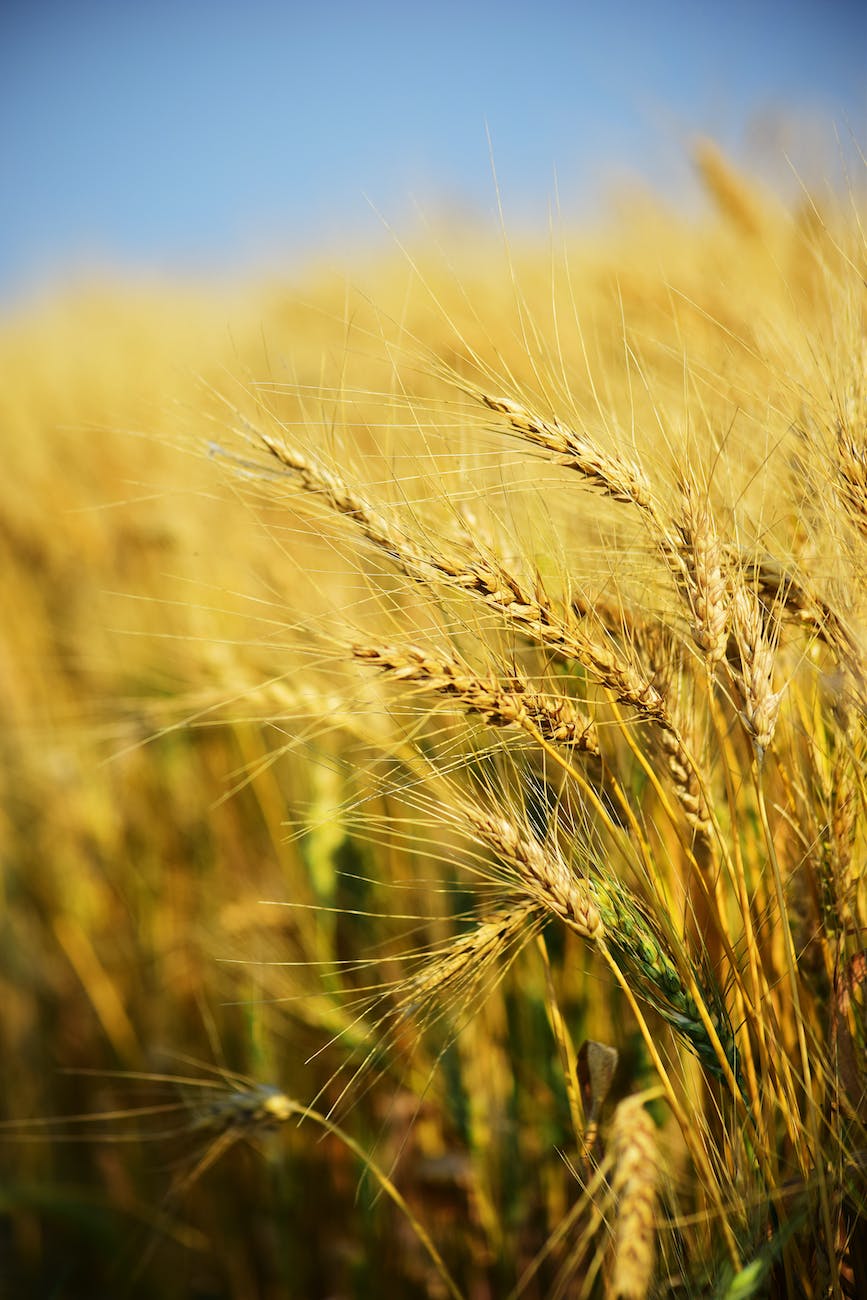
x=201 y=135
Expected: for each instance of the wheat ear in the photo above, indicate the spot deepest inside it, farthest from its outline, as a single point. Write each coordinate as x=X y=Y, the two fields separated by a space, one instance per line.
x=615 y=476
x=757 y=648
x=507 y=701
x=539 y=871
x=635 y=1186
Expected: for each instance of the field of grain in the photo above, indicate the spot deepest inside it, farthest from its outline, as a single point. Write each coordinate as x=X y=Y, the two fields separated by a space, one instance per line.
x=433 y=783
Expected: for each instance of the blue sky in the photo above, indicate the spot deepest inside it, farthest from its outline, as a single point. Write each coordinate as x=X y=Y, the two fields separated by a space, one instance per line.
x=204 y=137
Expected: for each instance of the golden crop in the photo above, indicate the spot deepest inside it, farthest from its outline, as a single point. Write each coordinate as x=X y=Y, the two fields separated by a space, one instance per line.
x=421 y=696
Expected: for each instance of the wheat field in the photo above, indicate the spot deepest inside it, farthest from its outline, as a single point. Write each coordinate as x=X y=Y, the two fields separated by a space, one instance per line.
x=433 y=810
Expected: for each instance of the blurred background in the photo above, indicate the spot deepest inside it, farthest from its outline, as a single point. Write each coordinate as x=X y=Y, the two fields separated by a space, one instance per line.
x=208 y=138
x=180 y=181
